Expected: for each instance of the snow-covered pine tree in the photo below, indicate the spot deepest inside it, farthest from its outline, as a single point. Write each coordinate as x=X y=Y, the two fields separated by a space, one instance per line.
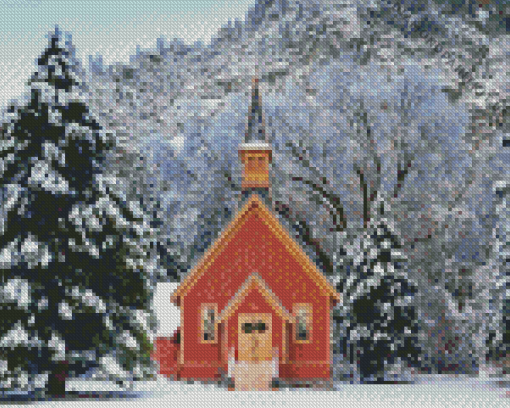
x=138 y=177
x=76 y=267
x=376 y=324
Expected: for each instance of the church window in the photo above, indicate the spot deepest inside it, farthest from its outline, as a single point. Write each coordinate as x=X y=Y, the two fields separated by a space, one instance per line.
x=258 y=327
x=209 y=313
x=303 y=325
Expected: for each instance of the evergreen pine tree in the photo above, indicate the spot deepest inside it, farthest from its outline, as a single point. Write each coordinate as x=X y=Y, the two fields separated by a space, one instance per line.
x=377 y=324
x=79 y=251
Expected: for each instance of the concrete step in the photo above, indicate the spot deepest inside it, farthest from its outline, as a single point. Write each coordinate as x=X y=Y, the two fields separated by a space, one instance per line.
x=249 y=376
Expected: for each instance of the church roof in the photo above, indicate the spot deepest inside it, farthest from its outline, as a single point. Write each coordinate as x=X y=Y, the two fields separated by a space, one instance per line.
x=254 y=204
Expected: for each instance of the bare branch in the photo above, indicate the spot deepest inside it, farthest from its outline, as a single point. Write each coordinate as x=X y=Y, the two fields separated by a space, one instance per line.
x=402 y=172
x=368 y=197
x=332 y=199
x=305 y=233
x=337 y=214
x=364 y=192
x=300 y=153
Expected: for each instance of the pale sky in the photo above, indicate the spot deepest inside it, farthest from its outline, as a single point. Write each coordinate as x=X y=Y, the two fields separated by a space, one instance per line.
x=108 y=27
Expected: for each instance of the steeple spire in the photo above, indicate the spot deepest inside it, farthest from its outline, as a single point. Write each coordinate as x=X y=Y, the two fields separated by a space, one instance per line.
x=255 y=152
x=255 y=132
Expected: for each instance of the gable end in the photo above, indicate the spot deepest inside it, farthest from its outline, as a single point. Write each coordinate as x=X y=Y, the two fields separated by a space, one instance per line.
x=254 y=204
x=254 y=281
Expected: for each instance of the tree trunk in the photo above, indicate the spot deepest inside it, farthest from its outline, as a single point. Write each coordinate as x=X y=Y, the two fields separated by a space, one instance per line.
x=56 y=385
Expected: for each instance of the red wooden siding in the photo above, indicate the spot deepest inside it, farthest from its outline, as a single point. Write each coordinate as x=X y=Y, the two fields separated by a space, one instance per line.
x=255 y=248
x=166 y=352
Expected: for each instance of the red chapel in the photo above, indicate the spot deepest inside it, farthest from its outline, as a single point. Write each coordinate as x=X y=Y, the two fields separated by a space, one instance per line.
x=255 y=301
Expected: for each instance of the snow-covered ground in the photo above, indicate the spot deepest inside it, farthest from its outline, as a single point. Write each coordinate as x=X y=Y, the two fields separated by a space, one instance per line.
x=486 y=390
x=429 y=391
x=167 y=313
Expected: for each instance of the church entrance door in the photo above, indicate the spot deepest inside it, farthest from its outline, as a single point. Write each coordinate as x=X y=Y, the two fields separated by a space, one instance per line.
x=254 y=369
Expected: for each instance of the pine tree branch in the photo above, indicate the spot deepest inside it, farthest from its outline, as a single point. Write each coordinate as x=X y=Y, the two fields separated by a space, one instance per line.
x=125 y=211
x=11 y=228
x=7 y=175
x=6 y=152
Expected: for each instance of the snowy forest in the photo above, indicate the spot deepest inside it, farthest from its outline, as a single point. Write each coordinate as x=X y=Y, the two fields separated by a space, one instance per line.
x=389 y=171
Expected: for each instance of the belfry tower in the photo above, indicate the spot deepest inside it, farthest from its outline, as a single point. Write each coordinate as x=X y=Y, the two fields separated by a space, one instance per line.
x=255 y=153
